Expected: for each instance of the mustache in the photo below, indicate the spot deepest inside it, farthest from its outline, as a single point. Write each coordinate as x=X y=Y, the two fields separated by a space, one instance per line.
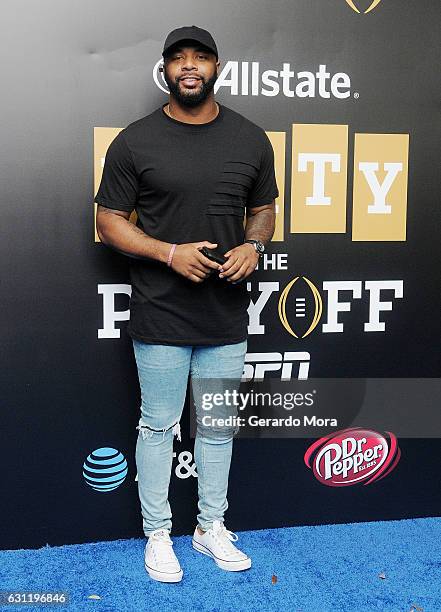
x=190 y=77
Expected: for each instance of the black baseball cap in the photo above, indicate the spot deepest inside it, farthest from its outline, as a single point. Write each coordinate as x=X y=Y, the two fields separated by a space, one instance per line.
x=190 y=33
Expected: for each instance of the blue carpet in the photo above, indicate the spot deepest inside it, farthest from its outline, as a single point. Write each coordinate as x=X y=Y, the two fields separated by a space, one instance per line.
x=317 y=569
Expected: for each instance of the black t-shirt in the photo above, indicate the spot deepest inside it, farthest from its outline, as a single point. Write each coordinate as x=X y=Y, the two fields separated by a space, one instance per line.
x=188 y=183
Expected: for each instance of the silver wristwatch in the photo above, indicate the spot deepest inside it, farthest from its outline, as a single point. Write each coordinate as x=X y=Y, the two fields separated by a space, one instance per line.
x=258 y=245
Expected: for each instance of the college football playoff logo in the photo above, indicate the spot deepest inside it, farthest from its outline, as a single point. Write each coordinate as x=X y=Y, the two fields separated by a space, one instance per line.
x=303 y=304
x=368 y=10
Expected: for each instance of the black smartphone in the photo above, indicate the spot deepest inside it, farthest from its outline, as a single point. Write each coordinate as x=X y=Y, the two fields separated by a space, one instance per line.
x=213 y=255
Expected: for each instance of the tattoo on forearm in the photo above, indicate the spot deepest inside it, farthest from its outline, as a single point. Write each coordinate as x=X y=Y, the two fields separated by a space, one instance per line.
x=261 y=226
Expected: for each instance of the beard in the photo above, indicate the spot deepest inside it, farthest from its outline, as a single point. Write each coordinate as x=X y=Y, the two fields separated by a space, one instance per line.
x=190 y=97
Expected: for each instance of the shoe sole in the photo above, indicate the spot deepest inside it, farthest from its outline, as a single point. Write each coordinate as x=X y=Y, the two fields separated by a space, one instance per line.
x=163 y=577
x=225 y=565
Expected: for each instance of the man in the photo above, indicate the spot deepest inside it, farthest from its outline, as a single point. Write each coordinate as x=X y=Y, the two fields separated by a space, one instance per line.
x=192 y=169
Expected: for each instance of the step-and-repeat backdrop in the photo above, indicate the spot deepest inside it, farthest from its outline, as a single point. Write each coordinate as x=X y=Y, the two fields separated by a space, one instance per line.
x=349 y=287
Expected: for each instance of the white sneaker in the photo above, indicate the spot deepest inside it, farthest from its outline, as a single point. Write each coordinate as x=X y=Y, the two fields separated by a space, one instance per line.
x=217 y=543
x=160 y=560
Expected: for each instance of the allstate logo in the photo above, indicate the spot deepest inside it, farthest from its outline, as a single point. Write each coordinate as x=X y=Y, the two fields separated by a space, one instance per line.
x=351 y=456
x=368 y=10
x=105 y=469
x=158 y=77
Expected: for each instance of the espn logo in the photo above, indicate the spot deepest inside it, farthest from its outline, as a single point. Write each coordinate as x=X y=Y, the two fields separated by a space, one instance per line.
x=258 y=364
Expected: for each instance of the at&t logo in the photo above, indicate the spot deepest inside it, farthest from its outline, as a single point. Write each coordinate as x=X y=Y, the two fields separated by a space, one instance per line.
x=105 y=469
x=185 y=466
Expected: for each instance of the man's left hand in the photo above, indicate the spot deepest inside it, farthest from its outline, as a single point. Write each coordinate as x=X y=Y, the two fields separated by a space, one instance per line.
x=242 y=261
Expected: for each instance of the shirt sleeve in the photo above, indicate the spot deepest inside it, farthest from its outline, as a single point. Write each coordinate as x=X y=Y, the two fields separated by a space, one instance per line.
x=119 y=183
x=264 y=190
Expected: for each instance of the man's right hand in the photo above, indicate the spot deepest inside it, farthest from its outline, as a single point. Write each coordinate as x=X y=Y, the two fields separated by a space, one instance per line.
x=191 y=263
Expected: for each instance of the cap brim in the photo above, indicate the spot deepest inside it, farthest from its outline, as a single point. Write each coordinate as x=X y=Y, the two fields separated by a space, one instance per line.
x=179 y=43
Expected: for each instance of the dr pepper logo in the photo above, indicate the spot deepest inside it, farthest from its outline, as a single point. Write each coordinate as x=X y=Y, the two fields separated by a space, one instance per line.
x=351 y=456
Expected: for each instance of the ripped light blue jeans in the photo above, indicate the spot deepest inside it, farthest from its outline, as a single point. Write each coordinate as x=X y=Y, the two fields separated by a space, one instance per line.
x=163 y=373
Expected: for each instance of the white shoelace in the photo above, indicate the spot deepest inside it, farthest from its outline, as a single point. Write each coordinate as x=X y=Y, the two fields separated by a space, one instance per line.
x=164 y=552
x=225 y=536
